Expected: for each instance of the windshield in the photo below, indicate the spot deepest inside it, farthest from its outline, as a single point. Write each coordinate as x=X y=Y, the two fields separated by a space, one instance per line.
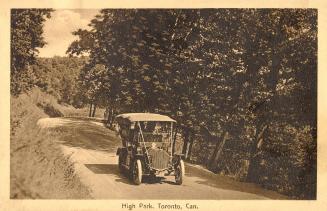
x=155 y=131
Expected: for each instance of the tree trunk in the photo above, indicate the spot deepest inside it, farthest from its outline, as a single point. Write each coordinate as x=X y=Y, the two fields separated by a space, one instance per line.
x=94 y=109
x=112 y=117
x=174 y=140
x=185 y=145
x=189 y=151
x=252 y=175
x=217 y=152
x=220 y=149
x=108 y=120
x=212 y=157
x=90 y=112
x=184 y=150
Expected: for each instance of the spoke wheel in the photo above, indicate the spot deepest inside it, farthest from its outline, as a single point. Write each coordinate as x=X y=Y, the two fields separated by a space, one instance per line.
x=137 y=172
x=180 y=173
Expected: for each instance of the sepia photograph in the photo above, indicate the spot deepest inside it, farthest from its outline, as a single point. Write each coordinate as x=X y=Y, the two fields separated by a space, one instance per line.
x=152 y=103
x=163 y=104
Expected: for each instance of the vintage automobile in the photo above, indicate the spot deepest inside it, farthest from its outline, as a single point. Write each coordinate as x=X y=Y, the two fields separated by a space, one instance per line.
x=147 y=147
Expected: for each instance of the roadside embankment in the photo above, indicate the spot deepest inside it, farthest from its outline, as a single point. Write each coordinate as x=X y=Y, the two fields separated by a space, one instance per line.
x=38 y=168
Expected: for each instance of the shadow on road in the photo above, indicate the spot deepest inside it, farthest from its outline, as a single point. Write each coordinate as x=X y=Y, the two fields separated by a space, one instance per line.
x=88 y=135
x=204 y=177
x=193 y=174
x=103 y=168
x=93 y=136
x=112 y=169
x=109 y=169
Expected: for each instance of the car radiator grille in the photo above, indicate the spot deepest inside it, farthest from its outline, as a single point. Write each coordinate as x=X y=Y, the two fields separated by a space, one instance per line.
x=159 y=159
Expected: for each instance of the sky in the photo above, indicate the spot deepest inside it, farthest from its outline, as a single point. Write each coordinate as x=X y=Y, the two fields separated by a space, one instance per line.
x=58 y=30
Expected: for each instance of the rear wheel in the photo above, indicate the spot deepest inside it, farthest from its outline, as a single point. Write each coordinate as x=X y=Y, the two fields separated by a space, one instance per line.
x=180 y=173
x=137 y=172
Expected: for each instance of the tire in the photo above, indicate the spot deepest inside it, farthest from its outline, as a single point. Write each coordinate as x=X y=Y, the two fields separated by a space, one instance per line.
x=120 y=163
x=137 y=172
x=180 y=173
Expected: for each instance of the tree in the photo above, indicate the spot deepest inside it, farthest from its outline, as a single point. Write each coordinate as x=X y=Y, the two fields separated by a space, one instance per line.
x=228 y=73
x=26 y=38
x=58 y=76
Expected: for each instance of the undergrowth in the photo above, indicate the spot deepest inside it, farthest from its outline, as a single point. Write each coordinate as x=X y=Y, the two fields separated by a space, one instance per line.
x=38 y=168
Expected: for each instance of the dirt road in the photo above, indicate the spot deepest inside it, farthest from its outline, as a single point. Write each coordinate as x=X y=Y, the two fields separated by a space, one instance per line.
x=92 y=148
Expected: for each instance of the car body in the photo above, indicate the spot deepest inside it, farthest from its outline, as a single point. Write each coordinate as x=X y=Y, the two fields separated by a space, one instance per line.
x=148 y=146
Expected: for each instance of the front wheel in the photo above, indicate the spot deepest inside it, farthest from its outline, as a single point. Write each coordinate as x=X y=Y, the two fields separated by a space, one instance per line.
x=137 y=172
x=180 y=173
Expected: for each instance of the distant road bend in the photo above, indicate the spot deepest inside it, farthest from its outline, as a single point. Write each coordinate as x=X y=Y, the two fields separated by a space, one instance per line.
x=92 y=148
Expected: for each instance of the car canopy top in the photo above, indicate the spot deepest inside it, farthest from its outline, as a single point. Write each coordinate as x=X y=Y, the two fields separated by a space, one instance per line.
x=143 y=117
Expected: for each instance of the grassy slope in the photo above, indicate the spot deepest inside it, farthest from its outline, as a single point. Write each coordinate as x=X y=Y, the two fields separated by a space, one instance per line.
x=38 y=168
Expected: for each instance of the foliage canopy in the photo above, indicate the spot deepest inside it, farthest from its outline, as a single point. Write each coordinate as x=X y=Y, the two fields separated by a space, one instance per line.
x=26 y=38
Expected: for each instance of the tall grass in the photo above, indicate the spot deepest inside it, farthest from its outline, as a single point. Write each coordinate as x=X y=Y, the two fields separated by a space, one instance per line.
x=38 y=168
